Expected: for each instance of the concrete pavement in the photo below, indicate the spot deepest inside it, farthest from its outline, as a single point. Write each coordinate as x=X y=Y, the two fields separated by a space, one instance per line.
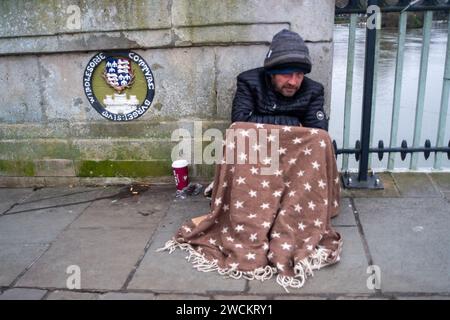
x=111 y=235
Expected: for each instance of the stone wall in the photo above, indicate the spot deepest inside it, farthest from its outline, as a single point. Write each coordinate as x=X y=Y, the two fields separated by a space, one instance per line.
x=49 y=133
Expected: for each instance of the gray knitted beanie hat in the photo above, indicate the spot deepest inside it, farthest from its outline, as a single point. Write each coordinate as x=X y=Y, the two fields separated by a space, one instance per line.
x=287 y=51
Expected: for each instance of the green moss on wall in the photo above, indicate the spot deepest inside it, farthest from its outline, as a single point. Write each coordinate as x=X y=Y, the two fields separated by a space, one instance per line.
x=133 y=169
x=17 y=168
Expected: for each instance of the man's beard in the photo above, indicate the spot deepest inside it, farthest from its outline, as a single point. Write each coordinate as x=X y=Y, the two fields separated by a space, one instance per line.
x=288 y=91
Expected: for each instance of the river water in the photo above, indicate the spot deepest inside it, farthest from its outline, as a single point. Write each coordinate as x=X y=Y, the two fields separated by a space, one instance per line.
x=385 y=92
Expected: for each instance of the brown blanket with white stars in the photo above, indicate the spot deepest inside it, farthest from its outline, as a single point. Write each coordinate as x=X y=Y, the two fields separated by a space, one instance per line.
x=264 y=224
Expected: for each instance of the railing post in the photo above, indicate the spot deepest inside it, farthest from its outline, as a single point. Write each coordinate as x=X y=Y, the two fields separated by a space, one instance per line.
x=363 y=180
x=444 y=101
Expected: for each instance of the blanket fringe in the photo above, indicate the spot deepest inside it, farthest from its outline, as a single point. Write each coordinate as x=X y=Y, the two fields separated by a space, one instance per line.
x=303 y=269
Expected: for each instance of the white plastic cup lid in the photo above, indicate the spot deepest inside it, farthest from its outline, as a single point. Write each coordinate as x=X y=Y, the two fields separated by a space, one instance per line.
x=180 y=163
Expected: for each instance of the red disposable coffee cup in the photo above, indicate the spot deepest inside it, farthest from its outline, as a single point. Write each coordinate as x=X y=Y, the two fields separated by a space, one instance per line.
x=180 y=172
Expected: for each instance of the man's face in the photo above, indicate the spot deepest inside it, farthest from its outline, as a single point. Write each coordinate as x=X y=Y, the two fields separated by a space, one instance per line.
x=287 y=84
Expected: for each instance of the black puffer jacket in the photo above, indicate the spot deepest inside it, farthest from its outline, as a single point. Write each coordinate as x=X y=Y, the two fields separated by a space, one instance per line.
x=256 y=101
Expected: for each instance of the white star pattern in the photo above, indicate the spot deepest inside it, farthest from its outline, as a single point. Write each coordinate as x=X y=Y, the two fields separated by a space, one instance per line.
x=298 y=208
x=282 y=151
x=234 y=265
x=280 y=266
x=317 y=223
x=292 y=161
x=187 y=229
x=336 y=204
x=265 y=246
x=256 y=147
x=231 y=145
x=225 y=184
x=244 y=133
x=287 y=184
x=307 y=186
x=271 y=138
x=314 y=131
x=297 y=140
x=265 y=206
x=267 y=161
x=251 y=216
x=309 y=247
x=311 y=205
x=265 y=184
x=225 y=230
x=231 y=239
x=301 y=173
x=286 y=246
x=212 y=241
x=307 y=151
x=301 y=226
x=316 y=165
x=232 y=169
x=238 y=245
x=218 y=201
x=239 y=228
x=277 y=194
x=243 y=156
x=275 y=235
x=240 y=180
x=291 y=193
x=286 y=129
x=322 y=144
x=253 y=237
x=254 y=170
x=278 y=173
x=250 y=256
x=259 y=126
x=322 y=184
x=266 y=224
x=238 y=204
x=252 y=193
x=226 y=207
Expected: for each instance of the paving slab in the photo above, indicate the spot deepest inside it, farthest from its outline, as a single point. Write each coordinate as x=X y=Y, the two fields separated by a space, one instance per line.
x=137 y=211
x=290 y=297
x=390 y=189
x=127 y=296
x=105 y=257
x=412 y=184
x=434 y=297
x=71 y=295
x=170 y=273
x=239 y=297
x=408 y=239
x=346 y=216
x=49 y=197
x=22 y=294
x=347 y=276
x=10 y=196
x=447 y=195
x=15 y=258
x=181 y=297
x=442 y=180
x=40 y=226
